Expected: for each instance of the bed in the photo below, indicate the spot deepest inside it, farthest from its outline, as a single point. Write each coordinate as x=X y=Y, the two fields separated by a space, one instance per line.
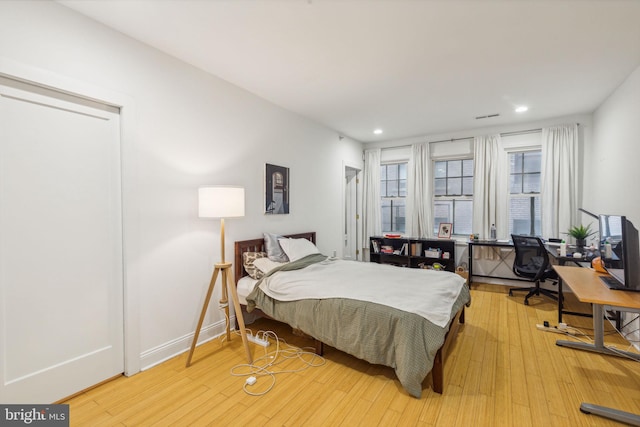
x=380 y=333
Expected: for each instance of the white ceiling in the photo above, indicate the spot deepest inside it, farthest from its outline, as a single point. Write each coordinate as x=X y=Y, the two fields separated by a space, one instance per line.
x=409 y=67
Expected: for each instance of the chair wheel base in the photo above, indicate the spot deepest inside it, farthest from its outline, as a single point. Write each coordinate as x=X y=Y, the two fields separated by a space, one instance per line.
x=535 y=291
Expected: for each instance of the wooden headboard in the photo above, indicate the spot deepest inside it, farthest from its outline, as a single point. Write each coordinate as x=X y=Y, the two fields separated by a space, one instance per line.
x=257 y=245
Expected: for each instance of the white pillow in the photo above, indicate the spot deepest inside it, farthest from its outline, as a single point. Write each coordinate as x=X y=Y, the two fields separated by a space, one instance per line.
x=266 y=265
x=297 y=248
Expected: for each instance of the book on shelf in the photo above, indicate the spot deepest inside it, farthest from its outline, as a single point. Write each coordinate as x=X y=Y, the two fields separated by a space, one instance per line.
x=402 y=250
x=416 y=248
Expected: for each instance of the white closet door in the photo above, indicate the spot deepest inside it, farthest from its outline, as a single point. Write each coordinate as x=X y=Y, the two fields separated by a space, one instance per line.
x=61 y=275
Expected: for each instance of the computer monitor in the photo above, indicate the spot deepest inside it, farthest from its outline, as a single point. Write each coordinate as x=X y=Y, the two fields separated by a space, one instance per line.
x=622 y=259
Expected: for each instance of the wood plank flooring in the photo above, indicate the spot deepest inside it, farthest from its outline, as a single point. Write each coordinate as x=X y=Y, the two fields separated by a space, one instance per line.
x=502 y=371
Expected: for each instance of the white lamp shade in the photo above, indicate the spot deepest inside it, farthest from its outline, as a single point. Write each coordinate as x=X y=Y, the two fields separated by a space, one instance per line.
x=220 y=202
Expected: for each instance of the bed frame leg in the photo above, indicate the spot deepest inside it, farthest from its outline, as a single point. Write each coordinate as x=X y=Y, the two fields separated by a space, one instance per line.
x=319 y=347
x=437 y=373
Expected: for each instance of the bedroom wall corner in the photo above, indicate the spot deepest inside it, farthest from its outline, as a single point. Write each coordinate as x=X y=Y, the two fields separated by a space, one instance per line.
x=191 y=129
x=612 y=165
x=612 y=157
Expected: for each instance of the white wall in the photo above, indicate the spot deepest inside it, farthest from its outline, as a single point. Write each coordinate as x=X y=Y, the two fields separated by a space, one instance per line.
x=189 y=129
x=612 y=162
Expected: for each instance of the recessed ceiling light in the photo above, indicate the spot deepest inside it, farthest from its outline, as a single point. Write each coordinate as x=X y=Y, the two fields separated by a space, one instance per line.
x=521 y=109
x=378 y=131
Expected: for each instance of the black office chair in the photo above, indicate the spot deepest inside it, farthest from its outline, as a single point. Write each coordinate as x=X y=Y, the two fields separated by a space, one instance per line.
x=532 y=263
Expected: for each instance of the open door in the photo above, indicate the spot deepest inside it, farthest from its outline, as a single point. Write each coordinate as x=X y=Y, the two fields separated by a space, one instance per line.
x=351 y=213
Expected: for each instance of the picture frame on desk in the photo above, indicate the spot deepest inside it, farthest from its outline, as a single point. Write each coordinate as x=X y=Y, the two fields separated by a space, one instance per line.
x=444 y=230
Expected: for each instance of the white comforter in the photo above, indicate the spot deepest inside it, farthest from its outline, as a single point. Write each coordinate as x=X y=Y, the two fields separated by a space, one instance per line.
x=428 y=293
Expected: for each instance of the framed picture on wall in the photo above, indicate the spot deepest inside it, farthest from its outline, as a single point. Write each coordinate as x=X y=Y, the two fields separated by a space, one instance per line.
x=444 y=230
x=276 y=191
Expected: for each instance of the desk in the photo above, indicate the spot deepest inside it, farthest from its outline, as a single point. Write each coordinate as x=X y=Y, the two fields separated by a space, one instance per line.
x=562 y=260
x=493 y=244
x=587 y=287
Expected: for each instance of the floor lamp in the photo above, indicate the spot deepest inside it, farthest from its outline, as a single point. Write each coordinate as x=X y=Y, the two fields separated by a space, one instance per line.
x=221 y=202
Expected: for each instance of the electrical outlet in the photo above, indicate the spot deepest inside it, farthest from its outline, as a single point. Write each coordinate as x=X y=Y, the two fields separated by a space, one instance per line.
x=259 y=341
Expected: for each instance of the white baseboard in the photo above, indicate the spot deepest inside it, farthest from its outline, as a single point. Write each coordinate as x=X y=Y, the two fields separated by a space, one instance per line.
x=166 y=351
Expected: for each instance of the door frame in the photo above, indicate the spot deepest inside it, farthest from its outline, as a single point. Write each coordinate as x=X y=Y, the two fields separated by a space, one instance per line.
x=130 y=207
x=355 y=199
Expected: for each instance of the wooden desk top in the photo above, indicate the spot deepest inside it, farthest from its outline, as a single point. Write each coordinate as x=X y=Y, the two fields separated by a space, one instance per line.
x=586 y=285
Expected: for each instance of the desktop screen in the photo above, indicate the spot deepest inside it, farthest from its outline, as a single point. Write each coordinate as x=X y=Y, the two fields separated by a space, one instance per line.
x=611 y=232
x=622 y=257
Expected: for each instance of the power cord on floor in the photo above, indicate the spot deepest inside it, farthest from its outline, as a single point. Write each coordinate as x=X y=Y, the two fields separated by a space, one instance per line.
x=266 y=366
x=579 y=335
x=624 y=336
x=263 y=366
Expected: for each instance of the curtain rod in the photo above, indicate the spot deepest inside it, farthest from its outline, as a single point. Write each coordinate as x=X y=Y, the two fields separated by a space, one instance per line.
x=514 y=133
x=518 y=132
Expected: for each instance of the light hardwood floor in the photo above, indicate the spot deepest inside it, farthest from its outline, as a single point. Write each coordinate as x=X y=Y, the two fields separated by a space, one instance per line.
x=501 y=372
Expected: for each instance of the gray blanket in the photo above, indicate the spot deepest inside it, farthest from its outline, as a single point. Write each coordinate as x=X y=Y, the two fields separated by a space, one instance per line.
x=376 y=333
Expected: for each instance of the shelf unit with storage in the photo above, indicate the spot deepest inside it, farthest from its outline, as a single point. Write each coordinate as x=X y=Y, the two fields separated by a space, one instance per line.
x=413 y=252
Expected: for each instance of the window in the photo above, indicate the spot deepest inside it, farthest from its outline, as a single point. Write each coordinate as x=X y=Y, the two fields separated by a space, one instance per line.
x=453 y=195
x=524 y=192
x=393 y=192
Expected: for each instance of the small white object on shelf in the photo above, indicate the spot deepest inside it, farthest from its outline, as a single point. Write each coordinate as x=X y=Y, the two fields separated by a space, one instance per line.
x=432 y=253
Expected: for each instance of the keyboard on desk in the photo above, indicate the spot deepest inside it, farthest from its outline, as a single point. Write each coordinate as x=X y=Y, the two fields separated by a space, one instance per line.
x=611 y=282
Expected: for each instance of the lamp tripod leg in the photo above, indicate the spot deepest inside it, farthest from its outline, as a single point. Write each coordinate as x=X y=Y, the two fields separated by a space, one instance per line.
x=224 y=301
x=203 y=314
x=227 y=286
x=239 y=318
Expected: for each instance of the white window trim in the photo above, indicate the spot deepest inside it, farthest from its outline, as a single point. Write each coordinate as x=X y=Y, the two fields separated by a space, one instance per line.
x=446 y=197
x=522 y=149
x=406 y=198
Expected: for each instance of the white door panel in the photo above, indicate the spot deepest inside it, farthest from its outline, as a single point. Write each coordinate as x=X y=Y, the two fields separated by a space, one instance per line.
x=61 y=280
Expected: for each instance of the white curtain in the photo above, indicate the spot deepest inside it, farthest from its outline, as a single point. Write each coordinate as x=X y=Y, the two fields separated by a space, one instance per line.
x=559 y=176
x=487 y=191
x=419 y=192
x=371 y=215
x=489 y=187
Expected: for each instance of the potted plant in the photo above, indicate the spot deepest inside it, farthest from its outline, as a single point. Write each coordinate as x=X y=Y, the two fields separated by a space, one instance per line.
x=580 y=233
